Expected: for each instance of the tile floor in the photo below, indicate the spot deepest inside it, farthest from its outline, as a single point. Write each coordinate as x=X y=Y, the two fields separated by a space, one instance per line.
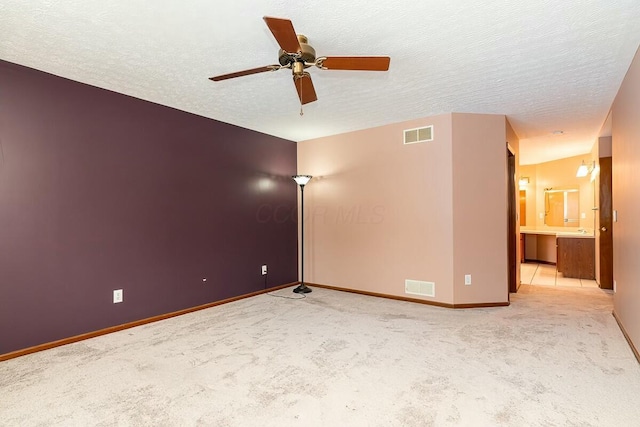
x=546 y=275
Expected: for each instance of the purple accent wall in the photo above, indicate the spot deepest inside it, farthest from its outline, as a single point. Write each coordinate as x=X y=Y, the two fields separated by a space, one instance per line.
x=101 y=191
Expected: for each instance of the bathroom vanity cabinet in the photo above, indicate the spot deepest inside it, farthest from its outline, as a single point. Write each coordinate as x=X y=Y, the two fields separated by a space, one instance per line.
x=576 y=257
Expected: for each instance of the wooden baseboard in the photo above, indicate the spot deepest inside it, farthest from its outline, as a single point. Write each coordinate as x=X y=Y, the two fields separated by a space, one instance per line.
x=518 y=287
x=627 y=337
x=81 y=337
x=408 y=299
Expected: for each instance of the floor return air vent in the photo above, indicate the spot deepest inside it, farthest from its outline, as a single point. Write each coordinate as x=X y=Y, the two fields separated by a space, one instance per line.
x=417 y=287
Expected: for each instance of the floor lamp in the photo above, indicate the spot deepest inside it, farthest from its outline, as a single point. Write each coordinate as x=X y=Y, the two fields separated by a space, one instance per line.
x=302 y=180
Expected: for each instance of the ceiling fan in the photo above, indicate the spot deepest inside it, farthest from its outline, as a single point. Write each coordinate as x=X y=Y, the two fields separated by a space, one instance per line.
x=295 y=53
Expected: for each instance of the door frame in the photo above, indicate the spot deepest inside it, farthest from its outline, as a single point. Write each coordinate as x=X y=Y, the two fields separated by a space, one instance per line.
x=512 y=218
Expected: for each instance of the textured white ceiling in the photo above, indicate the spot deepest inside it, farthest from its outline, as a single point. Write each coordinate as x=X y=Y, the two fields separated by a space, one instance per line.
x=548 y=65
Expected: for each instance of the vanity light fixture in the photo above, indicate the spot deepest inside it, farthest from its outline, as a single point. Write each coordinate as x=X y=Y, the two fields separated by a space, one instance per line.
x=524 y=180
x=584 y=170
x=595 y=172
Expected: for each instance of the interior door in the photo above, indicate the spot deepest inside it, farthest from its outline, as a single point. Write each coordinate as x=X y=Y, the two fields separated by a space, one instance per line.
x=606 y=232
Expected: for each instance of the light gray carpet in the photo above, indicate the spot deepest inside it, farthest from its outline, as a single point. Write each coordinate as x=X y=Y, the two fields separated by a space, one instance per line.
x=555 y=357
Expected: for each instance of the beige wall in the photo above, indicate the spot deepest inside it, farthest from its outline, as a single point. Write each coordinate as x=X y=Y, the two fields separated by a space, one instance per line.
x=604 y=146
x=480 y=208
x=379 y=212
x=626 y=179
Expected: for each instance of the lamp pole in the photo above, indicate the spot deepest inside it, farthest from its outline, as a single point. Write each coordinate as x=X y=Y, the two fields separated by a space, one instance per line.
x=302 y=180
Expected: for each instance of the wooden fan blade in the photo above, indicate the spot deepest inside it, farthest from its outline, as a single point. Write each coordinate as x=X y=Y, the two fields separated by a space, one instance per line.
x=305 y=89
x=245 y=73
x=282 y=30
x=360 y=63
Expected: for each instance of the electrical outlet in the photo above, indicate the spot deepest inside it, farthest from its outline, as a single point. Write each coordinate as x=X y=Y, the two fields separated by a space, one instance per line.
x=117 y=296
x=264 y=269
x=467 y=279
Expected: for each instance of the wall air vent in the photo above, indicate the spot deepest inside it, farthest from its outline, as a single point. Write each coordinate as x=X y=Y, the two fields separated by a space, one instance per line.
x=417 y=287
x=413 y=136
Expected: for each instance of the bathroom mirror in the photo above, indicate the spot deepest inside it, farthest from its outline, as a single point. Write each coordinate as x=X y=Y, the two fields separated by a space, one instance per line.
x=562 y=207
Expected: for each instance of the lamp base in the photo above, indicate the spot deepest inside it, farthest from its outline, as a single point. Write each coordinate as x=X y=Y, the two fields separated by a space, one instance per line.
x=302 y=289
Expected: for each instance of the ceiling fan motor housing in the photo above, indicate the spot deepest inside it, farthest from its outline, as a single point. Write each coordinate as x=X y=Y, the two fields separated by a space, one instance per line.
x=308 y=53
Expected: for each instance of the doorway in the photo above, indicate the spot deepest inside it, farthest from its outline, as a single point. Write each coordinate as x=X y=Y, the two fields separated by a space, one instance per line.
x=511 y=220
